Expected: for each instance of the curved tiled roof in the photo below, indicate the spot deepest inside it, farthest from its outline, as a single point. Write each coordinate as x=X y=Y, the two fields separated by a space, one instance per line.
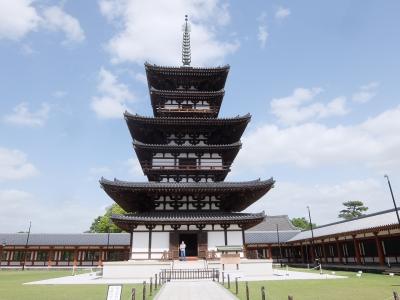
x=184 y=71
x=139 y=196
x=369 y=222
x=186 y=121
x=186 y=218
x=238 y=185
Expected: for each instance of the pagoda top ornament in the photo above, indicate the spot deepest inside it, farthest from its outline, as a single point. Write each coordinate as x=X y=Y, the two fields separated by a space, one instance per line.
x=186 y=53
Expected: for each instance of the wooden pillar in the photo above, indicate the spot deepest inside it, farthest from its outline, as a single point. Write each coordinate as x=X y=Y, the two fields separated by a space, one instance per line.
x=1 y=255
x=324 y=250
x=379 y=249
x=339 y=252
x=130 y=244
x=150 y=228
x=101 y=253
x=225 y=227
x=150 y=236
x=50 y=258
x=269 y=251
x=312 y=252
x=75 y=256
x=302 y=253
x=357 y=250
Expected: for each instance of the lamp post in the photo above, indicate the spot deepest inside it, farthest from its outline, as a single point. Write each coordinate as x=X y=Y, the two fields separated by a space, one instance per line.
x=279 y=245
x=26 y=245
x=394 y=201
x=312 y=231
x=108 y=242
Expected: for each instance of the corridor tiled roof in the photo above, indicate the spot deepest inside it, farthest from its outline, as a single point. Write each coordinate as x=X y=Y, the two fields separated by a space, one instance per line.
x=271 y=222
x=64 y=239
x=377 y=220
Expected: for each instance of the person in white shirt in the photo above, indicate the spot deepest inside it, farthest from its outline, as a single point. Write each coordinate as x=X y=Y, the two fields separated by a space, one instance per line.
x=182 y=248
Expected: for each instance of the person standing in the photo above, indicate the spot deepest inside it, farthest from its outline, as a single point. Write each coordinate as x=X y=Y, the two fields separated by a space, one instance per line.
x=182 y=248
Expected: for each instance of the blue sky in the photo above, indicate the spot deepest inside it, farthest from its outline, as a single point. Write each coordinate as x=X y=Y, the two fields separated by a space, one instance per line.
x=319 y=78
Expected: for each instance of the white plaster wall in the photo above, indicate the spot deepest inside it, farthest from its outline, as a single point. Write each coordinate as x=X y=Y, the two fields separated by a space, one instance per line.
x=235 y=238
x=140 y=243
x=159 y=243
x=215 y=238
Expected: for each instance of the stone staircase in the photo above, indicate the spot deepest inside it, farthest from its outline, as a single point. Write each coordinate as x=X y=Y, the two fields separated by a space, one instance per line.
x=190 y=264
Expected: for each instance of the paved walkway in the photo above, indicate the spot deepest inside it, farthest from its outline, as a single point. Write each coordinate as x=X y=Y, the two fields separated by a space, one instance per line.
x=193 y=290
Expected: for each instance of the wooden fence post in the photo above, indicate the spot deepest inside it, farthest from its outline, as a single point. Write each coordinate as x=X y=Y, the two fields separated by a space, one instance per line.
x=151 y=285
x=144 y=290
x=133 y=294
x=247 y=291
x=395 y=296
x=262 y=293
x=236 y=286
x=223 y=278
x=155 y=282
x=229 y=282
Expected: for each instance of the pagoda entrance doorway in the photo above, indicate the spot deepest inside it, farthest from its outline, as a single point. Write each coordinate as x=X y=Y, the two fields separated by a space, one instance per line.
x=191 y=242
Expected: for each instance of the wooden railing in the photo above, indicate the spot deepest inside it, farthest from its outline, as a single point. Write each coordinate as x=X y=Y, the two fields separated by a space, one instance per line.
x=179 y=274
x=184 y=167
x=194 y=110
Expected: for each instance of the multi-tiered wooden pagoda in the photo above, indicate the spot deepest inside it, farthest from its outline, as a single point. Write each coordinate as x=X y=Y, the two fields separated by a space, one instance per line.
x=186 y=152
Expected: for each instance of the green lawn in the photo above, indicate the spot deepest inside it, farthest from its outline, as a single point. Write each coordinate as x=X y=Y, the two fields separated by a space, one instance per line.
x=12 y=288
x=368 y=287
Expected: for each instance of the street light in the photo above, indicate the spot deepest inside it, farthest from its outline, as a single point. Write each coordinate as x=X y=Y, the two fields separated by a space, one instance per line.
x=312 y=232
x=394 y=201
x=26 y=245
x=279 y=244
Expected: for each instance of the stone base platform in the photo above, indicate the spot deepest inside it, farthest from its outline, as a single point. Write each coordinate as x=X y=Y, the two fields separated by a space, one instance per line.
x=134 y=268
x=148 y=268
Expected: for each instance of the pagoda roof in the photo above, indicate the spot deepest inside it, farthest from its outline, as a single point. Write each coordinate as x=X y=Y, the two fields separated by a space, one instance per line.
x=139 y=196
x=152 y=130
x=227 y=151
x=171 y=78
x=127 y=221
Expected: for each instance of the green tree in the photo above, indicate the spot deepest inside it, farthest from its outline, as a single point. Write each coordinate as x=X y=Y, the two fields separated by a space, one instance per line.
x=353 y=209
x=302 y=223
x=104 y=223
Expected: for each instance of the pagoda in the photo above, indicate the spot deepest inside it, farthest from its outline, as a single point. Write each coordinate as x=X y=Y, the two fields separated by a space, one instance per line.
x=186 y=152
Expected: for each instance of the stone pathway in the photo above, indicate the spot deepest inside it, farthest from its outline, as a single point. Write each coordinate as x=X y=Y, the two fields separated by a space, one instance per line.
x=193 y=290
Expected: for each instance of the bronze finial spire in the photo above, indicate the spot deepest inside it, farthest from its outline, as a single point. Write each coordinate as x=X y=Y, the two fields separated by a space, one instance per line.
x=186 y=55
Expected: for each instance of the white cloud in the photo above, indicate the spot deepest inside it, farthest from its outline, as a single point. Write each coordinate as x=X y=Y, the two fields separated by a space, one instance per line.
x=24 y=117
x=56 y=19
x=134 y=168
x=151 y=30
x=20 y=207
x=296 y=109
x=366 y=92
x=325 y=200
x=374 y=143
x=20 y=17
x=59 y=94
x=141 y=78
x=14 y=165
x=113 y=96
x=262 y=34
x=17 y=18
x=282 y=13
